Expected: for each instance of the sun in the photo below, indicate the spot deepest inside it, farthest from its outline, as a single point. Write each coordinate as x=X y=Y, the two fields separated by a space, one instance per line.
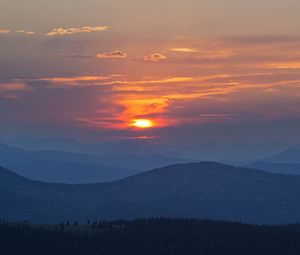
x=143 y=123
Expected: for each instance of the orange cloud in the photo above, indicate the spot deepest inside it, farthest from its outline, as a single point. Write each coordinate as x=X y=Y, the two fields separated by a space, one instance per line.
x=185 y=50
x=112 y=55
x=19 y=31
x=74 y=55
x=14 y=86
x=79 y=81
x=154 y=81
x=156 y=57
x=25 y=32
x=291 y=66
x=166 y=101
x=71 y=31
x=4 y=31
x=9 y=90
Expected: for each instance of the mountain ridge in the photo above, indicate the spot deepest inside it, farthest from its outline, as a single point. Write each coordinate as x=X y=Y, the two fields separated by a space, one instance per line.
x=207 y=190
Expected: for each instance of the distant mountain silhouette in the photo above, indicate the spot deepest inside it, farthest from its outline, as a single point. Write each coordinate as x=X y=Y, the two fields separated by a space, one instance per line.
x=283 y=168
x=234 y=152
x=204 y=190
x=51 y=143
x=115 y=148
x=202 y=151
x=287 y=156
x=57 y=166
x=69 y=172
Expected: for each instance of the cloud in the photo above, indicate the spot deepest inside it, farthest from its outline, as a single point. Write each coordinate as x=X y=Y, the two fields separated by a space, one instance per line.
x=112 y=55
x=152 y=81
x=185 y=50
x=168 y=101
x=74 y=55
x=4 y=87
x=156 y=57
x=267 y=39
x=4 y=31
x=223 y=81
x=9 y=89
x=76 y=81
x=25 y=32
x=19 y=31
x=71 y=31
x=58 y=31
x=208 y=54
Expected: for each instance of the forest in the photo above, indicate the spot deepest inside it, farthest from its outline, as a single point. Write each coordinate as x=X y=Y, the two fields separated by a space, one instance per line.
x=154 y=236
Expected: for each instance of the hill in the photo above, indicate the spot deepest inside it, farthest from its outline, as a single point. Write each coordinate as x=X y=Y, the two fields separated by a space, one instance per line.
x=203 y=190
x=69 y=167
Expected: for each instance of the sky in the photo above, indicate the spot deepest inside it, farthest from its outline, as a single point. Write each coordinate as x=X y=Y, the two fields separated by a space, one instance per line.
x=173 y=71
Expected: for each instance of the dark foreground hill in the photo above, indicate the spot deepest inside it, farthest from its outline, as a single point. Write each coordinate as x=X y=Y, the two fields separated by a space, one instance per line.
x=197 y=190
x=150 y=237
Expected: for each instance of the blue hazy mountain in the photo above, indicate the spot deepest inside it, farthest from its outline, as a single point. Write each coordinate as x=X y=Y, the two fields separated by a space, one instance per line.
x=11 y=155
x=50 y=143
x=68 y=172
x=287 y=156
x=201 y=151
x=234 y=152
x=129 y=146
x=203 y=190
x=69 y=167
x=283 y=168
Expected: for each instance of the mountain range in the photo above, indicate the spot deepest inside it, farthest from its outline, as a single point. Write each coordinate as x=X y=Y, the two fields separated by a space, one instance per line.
x=285 y=162
x=283 y=168
x=291 y=155
x=204 y=190
x=205 y=150
x=70 y=167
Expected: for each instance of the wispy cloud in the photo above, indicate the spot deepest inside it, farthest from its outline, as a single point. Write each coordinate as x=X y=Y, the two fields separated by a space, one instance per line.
x=112 y=55
x=156 y=57
x=15 y=86
x=267 y=39
x=71 y=31
x=185 y=50
x=213 y=80
x=58 y=31
x=4 y=31
x=11 y=89
x=74 y=55
x=76 y=81
x=19 y=31
x=25 y=32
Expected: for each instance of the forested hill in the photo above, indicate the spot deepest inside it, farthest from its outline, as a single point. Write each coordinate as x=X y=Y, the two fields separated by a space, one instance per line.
x=206 y=190
x=149 y=237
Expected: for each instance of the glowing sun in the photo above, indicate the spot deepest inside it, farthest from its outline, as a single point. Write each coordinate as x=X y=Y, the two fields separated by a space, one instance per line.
x=143 y=123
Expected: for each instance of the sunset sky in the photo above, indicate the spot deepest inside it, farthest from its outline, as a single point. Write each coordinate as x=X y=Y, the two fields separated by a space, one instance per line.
x=184 y=71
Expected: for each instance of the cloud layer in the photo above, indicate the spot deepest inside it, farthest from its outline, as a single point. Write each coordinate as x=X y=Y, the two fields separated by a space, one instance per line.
x=192 y=83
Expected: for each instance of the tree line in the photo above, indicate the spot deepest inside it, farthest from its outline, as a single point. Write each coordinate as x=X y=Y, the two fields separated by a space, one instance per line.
x=163 y=236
